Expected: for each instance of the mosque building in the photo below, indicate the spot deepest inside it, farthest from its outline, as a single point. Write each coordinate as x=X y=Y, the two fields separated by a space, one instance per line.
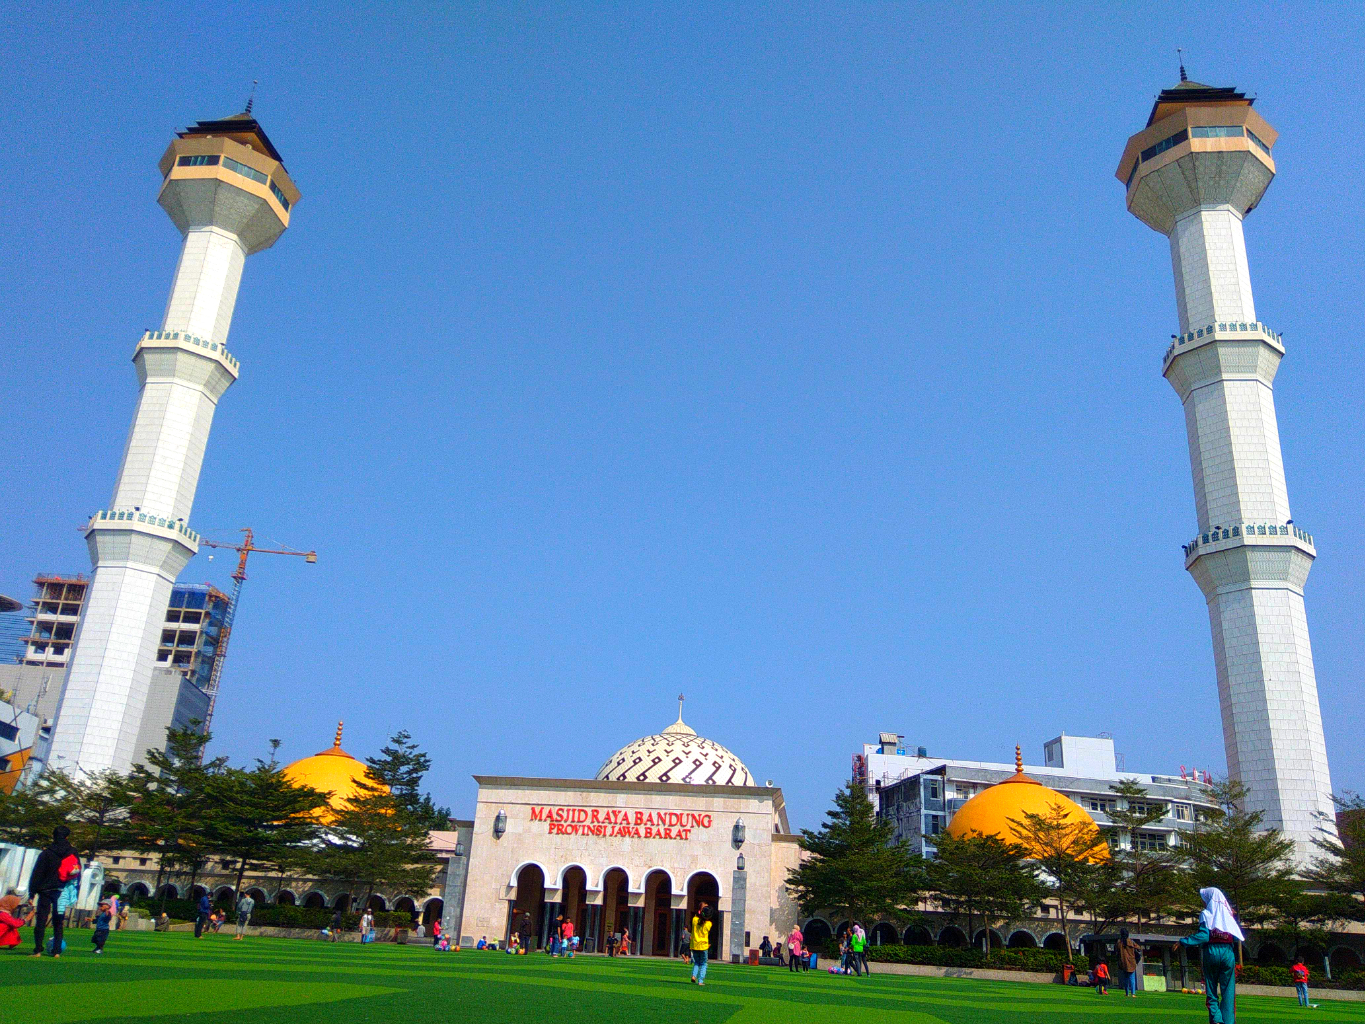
x=669 y=821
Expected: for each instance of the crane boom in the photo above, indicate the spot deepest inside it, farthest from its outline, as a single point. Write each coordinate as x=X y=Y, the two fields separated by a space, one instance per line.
x=238 y=578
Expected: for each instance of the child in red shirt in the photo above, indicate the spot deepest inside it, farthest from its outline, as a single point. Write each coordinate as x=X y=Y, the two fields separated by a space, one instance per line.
x=1300 y=975
x=1101 y=978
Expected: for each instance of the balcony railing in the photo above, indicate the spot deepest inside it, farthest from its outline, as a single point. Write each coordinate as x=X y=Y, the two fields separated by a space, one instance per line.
x=129 y=516
x=1221 y=533
x=1215 y=330
x=194 y=340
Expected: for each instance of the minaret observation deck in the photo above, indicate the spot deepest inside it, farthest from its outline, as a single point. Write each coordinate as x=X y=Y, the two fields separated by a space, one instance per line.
x=225 y=187
x=1199 y=167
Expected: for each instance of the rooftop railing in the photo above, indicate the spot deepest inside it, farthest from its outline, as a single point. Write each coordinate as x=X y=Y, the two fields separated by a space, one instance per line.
x=191 y=339
x=1221 y=533
x=1212 y=330
x=131 y=516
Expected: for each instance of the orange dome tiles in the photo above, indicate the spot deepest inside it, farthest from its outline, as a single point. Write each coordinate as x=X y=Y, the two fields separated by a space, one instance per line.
x=331 y=771
x=989 y=813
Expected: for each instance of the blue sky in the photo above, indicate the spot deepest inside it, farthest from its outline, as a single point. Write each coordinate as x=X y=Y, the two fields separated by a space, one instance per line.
x=802 y=359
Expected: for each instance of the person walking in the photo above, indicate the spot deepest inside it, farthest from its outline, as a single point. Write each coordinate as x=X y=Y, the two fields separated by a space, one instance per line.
x=524 y=930
x=794 y=950
x=1100 y=977
x=103 y=919
x=245 y=906
x=701 y=942
x=53 y=874
x=1217 y=940
x=203 y=912
x=1299 y=972
x=336 y=923
x=566 y=938
x=1129 y=952
x=858 y=946
x=625 y=940
x=12 y=918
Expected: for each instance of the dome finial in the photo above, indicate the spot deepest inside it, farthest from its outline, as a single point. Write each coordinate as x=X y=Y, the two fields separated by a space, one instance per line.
x=336 y=743
x=681 y=698
x=1018 y=758
x=1180 y=55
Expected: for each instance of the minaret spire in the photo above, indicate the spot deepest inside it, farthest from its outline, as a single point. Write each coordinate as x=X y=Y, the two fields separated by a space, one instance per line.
x=1196 y=170
x=252 y=98
x=1180 y=55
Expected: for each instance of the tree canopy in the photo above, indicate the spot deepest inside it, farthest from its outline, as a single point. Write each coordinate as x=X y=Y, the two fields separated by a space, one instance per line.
x=855 y=866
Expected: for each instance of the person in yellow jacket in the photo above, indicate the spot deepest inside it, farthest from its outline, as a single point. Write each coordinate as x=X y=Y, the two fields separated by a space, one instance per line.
x=701 y=942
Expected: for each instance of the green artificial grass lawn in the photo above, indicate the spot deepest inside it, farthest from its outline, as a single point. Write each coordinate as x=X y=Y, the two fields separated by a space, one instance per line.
x=146 y=976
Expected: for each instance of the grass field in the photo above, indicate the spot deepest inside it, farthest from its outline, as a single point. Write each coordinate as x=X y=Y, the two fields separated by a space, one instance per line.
x=144 y=976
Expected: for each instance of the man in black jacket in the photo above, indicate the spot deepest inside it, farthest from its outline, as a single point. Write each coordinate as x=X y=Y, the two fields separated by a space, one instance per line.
x=46 y=884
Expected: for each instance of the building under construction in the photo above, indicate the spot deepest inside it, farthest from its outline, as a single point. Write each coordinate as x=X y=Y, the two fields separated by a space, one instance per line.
x=188 y=653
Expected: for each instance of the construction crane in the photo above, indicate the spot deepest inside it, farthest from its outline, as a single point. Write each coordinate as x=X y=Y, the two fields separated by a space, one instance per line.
x=239 y=577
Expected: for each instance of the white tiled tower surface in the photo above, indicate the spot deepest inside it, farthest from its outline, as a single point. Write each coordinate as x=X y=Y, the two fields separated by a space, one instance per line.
x=227 y=192
x=1249 y=558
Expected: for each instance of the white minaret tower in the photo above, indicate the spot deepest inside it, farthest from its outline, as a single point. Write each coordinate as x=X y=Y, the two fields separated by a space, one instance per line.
x=227 y=191
x=1198 y=168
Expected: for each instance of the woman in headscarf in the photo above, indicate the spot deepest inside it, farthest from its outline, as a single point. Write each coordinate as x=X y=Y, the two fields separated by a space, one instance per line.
x=51 y=883
x=1217 y=938
x=1130 y=952
x=794 y=941
x=10 y=921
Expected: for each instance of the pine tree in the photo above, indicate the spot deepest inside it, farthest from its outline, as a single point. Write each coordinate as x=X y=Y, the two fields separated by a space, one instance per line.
x=1149 y=885
x=1070 y=854
x=401 y=766
x=374 y=842
x=1228 y=849
x=1340 y=868
x=262 y=819
x=983 y=876
x=855 y=867
x=169 y=810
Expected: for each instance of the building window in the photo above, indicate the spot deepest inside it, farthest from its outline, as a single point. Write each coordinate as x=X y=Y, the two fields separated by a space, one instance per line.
x=285 y=203
x=1183 y=812
x=205 y=160
x=1217 y=131
x=245 y=172
x=1149 y=840
x=933 y=824
x=1145 y=808
x=1097 y=804
x=1252 y=136
x=933 y=789
x=1164 y=144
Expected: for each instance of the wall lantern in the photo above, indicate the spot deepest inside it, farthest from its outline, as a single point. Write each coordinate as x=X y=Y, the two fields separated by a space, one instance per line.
x=737 y=833
x=739 y=864
x=459 y=849
x=499 y=824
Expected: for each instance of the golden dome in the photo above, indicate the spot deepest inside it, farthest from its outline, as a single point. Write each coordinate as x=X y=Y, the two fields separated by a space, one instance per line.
x=989 y=812
x=331 y=771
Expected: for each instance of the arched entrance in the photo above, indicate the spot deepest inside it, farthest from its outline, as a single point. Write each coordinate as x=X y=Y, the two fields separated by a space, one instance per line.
x=884 y=934
x=137 y=891
x=342 y=902
x=979 y=939
x=405 y=905
x=918 y=935
x=285 y=898
x=432 y=910
x=615 y=904
x=703 y=886
x=377 y=904
x=168 y=891
x=573 y=901
x=1056 y=942
x=258 y=895
x=1022 y=940
x=817 y=932
x=315 y=901
x=953 y=938
x=528 y=909
x=1344 y=959
x=658 y=917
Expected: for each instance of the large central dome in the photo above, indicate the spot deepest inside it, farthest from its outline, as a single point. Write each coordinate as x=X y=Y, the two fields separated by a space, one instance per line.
x=676 y=755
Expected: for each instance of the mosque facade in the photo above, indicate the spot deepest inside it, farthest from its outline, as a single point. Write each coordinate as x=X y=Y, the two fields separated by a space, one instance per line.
x=669 y=821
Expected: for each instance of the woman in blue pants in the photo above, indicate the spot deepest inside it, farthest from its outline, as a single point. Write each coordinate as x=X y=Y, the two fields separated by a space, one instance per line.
x=1217 y=938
